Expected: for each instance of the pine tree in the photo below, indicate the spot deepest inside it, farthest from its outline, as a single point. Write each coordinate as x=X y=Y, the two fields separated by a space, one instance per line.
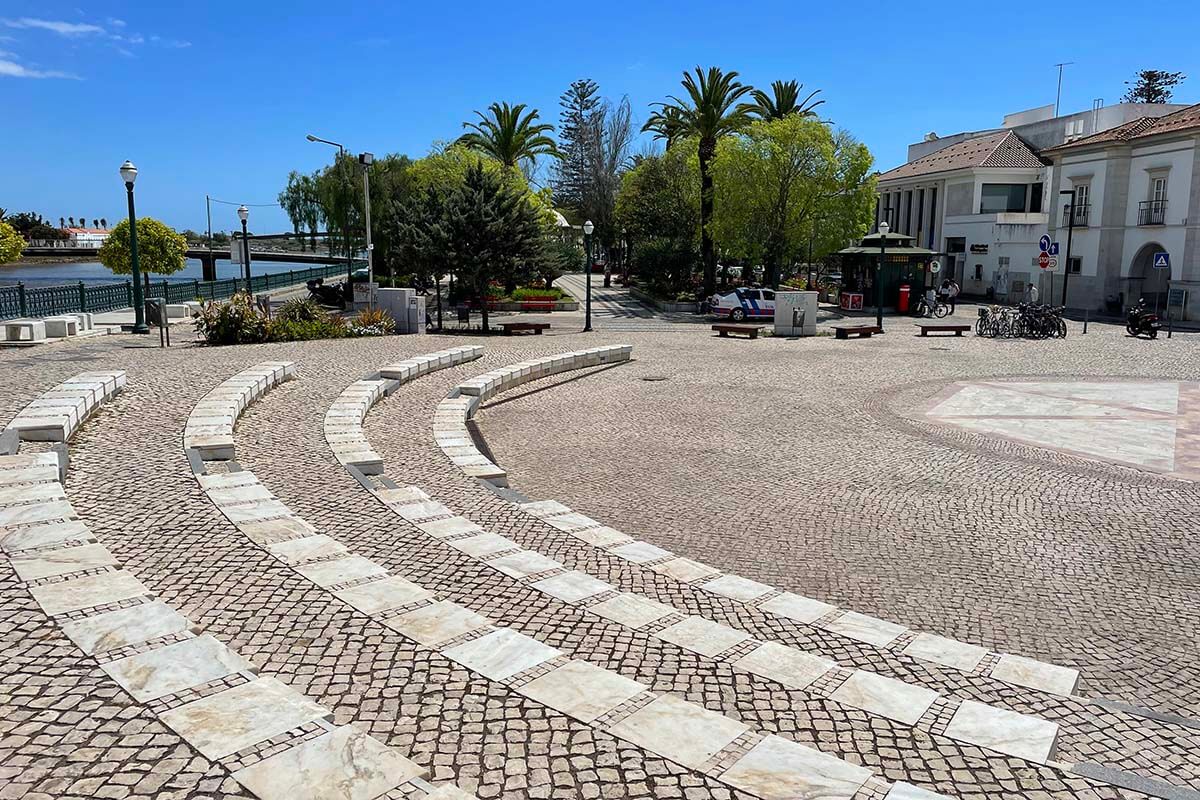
x=1152 y=86
x=579 y=105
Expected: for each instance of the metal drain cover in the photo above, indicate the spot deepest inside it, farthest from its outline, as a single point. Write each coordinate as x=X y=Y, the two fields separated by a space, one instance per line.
x=654 y=378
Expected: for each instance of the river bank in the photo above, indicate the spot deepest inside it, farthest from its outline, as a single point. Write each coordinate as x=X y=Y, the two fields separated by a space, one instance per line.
x=36 y=272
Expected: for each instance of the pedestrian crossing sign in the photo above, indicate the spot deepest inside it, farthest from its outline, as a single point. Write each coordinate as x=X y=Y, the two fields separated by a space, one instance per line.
x=1162 y=261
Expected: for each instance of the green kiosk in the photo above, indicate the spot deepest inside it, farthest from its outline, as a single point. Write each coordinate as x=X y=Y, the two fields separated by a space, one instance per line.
x=906 y=272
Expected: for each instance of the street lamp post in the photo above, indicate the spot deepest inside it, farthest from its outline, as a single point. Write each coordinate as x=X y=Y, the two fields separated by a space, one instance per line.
x=366 y=160
x=883 y=232
x=244 y=214
x=1070 y=231
x=588 y=227
x=345 y=217
x=129 y=175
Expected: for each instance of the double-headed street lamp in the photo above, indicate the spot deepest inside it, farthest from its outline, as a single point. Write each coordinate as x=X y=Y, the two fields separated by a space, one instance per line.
x=883 y=232
x=244 y=214
x=1070 y=231
x=345 y=217
x=129 y=175
x=588 y=227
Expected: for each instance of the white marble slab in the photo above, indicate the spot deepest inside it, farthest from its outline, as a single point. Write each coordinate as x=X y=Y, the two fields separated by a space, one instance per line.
x=947 y=652
x=684 y=569
x=483 y=545
x=702 y=636
x=234 y=495
x=1004 y=731
x=571 y=521
x=87 y=591
x=11 y=477
x=779 y=769
x=227 y=480
x=294 y=551
x=453 y=526
x=422 y=510
x=864 y=628
x=255 y=511
x=1036 y=674
x=44 y=534
x=793 y=668
x=545 y=508
x=679 y=730
x=36 y=512
x=573 y=586
x=437 y=622
x=350 y=568
x=344 y=764
x=381 y=595
x=266 y=531
x=182 y=665
x=31 y=493
x=523 y=563
x=602 y=536
x=639 y=552
x=884 y=696
x=582 y=690
x=125 y=626
x=48 y=563
x=797 y=608
x=906 y=791
x=402 y=496
x=226 y=722
x=631 y=610
x=737 y=588
x=501 y=654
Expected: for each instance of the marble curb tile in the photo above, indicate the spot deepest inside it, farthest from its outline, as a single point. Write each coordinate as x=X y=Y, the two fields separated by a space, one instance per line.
x=266 y=531
x=350 y=568
x=737 y=588
x=864 y=628
x=449 y=527
x=224 y=723
x=37 y=512
x=523 y=563
x=414 y=512
x=294 y=551
x=684 y=569
x=787 y=665
x=571 y=521
x=602 y=536
x=678 y=730
x=702 y=636
x=639 y=552
x=182 y=665
x=582 y=690
x=545 y=508
x=123 y=627
x=49 y=563
x=1036 y=674
x=483 y=545
x=501 y=654
x=797 y=608
x=87 y=591
x=382 y=595
x=437 y=622
x=254 y=511
x=344 y=764
x=632 y=610
x=11 y=477
x=947 y=652
x=227 y=480
x=884 y=696
x=573 y=586
x=778 y=769
x=44 y=534
x=906 y=791
x=32 y=493
x=247 y=493
x=1004 y=731
x=401 y=496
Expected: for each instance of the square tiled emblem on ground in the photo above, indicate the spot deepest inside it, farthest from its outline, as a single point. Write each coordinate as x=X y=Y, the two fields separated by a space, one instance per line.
x=1004 y=731
x=778 y=769
x=679 y=730
x=886 y=697
x=582 y=690
x=501 y=654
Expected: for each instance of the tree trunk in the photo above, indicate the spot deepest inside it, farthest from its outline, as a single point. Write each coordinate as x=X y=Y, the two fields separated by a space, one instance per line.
x=708 y=255
x=481 y=294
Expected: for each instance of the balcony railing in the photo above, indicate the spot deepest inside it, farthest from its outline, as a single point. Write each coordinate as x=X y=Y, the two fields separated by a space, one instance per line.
x=1152 y=212
x=1081 y=216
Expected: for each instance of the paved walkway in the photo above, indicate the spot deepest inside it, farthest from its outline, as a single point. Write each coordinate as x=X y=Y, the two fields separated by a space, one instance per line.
x=847 y=493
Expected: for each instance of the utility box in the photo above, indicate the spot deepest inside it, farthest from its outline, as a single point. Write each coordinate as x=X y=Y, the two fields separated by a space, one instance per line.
x=405 y=306
x=414 y=317
x=795 y=313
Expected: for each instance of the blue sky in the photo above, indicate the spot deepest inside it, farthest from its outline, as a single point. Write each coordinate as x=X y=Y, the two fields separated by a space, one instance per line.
x=215 y=97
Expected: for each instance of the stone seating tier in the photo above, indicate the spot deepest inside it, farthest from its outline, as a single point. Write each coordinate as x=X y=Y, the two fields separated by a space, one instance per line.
x=55 y=415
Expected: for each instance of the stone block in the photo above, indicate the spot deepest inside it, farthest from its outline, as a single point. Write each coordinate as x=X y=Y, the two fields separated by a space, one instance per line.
x=24 y=330
x=175 y=667
x=115 y=629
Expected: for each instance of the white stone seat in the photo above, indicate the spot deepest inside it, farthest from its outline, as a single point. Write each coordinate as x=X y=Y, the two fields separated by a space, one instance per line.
x=25 y=330
x=61 y=327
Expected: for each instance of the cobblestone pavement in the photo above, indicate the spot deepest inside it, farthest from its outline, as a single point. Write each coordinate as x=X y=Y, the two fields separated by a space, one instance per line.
x=853 y=497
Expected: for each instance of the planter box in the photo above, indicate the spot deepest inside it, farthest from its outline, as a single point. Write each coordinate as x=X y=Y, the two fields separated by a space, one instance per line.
x=560 y=305
x=663 y=305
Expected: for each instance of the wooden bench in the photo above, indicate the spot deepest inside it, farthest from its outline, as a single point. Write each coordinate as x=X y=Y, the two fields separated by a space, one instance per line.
x=861 y=331
x=957 y=330
x=724 y=329
x=536 y=327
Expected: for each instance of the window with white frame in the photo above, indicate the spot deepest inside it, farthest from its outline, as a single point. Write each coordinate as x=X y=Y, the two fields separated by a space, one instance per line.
x=1158 y=189
x=1075 y=265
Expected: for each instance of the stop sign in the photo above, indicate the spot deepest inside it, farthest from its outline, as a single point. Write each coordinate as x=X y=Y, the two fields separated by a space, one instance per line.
x=1044 y=260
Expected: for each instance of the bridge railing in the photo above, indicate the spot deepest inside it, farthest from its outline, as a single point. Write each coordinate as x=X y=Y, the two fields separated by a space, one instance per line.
x=45 y=301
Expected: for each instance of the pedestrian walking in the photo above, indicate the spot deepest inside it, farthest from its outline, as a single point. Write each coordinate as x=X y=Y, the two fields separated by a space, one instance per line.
x=952 y=292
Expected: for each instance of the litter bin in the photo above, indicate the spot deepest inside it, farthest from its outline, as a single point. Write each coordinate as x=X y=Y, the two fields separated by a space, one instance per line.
x=902 y=302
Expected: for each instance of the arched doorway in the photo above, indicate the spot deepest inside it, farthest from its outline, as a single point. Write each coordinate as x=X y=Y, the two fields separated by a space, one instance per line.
x=1145 y=281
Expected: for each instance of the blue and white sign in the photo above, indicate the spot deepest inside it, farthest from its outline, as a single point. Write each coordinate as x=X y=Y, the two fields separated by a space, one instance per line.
x=1162 y=260
x=1044 y=243
x=1053 y=249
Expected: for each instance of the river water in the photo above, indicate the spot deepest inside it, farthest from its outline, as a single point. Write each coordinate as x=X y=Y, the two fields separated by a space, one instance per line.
x=36 y=275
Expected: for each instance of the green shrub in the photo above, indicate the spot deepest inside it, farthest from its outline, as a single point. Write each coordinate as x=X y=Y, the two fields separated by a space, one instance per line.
x=291 y=330
x=372 y=322
x=529 y=293
x=300 y=309
x=236 y=321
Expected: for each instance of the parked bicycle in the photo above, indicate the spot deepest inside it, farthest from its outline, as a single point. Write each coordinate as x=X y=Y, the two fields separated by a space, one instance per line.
x=922 y=308
x=1024 y=321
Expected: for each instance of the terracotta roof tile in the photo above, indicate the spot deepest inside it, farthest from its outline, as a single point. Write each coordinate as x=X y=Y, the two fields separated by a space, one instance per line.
x=1000 y=149
x=1182 y=120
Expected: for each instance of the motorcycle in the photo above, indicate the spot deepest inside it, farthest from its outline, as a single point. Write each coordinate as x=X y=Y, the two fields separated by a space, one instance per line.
x=327 y=295
x=1142 y=320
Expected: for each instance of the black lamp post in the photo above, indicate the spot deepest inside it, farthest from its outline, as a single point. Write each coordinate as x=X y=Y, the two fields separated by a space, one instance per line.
x=588 y=227
x=1070 y=230
x=883 y=232
x=129 y=175
x=345 y=217
x=243 y=214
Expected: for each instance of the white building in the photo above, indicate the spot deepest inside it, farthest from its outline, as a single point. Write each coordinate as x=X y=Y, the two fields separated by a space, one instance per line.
x=86 y=237
x=1137 y=194
x=978 y=198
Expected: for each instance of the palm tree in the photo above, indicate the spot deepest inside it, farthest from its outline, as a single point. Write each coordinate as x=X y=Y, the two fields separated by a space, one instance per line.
x=783 y=101
x=708 y=114
x=72 y=221
x=509 y=134
x=665 y=124
x=104 y=223
x=62 y=223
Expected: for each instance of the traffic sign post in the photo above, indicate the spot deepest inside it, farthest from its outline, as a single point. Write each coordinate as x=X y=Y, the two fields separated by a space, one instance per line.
x=1162 y=260
x=1043 y=260
x=1044 y=243
x=1053 y=249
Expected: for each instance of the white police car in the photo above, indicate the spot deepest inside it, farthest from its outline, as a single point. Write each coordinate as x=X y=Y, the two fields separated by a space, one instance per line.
x=742 y=304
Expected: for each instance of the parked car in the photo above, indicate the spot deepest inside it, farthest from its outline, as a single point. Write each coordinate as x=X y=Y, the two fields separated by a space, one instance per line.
x=742 y=304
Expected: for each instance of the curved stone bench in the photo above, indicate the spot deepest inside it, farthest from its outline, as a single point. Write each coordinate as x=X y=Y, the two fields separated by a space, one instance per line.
x=209 y=430
x=54 y=415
